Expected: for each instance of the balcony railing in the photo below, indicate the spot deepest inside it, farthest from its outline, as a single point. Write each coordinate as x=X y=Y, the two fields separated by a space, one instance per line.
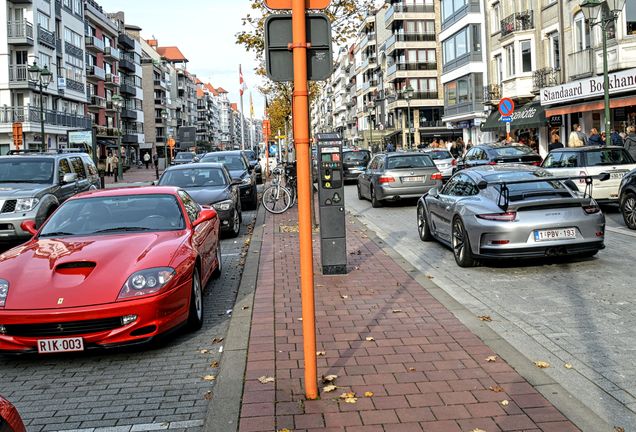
x=419 y=95
x=409 y=37
x=128 y=88
x=32 y=114
x=20 y=31
x=73 y=50
x=126 y=41
x=112 y=79
x=95 y=72
x=492 y=92
x=94 y=42
x=519 y=21
x=112 y=52
x=580 y=64
x=411 y=66
x=546 y=77
x=401 y=8
x=127 y=64
x=19 y=74
x=96 y=102
x=46 y=37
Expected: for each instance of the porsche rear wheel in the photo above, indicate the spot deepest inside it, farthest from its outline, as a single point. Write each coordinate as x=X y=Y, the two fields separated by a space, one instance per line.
x=422 y=225
x=195 y=316
x=461 y=245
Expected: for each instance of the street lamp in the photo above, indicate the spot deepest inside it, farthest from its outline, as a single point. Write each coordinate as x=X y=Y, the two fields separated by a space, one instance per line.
x=118 y=103
x=370 y=106
x=408 y=94
x=603 y=13
x=164 y=116
x=41 y=77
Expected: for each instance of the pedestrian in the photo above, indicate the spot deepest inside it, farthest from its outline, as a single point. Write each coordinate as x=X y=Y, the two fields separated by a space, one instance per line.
x=584 y=139
x=617 y=140
x=115 y=165
x=147 y=160
x=574 y=140
x=594 y=139
x=630 y=141
x=109 y=164
x=469 y=144
x=604 y=138
x=390 y=148
x=556 y=142
x=155 y=160
x=455 y=149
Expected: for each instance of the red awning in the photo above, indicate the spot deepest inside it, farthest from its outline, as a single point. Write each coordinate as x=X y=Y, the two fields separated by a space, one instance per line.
x=591 y=106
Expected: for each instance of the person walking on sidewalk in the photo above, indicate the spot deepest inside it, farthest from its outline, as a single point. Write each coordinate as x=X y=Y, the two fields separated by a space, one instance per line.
x=155 y=160
x=147 y=160
x=595 y=138
x=630 y=141
x=109 y=164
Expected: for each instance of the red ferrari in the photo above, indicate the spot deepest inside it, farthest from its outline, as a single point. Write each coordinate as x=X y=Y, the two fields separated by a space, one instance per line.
x=109 y=268
x=10 y=420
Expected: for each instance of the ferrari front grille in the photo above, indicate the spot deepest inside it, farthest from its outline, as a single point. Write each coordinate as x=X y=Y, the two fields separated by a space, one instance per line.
x=63 y=328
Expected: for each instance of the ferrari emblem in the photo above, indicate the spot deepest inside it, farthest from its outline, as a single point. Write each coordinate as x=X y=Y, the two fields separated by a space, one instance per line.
x=60 y=300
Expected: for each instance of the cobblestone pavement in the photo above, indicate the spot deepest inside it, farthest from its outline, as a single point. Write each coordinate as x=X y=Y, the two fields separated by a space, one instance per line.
x=121 y=391
x=579 y=312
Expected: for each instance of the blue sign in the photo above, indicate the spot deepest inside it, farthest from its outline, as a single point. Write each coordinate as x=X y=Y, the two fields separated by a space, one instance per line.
x=506 y=119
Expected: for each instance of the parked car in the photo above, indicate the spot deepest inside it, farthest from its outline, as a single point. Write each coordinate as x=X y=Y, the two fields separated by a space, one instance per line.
x=510 y=211
x=593 y=160
x=209 y=184
x=394 y=176
x=33 y=185
x=110 y=268
x=494 y=154
x=254 y=162
x=10 y=420
x=627 y=199
x=444 y=161
x=183 y=158
x=240 y=169
x=354 y=162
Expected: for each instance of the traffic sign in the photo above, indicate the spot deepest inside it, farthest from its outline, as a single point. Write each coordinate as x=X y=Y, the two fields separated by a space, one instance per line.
x=17 y=135
x=506 y=107
x=171 y=143
x=287 y=4
x=506 y=119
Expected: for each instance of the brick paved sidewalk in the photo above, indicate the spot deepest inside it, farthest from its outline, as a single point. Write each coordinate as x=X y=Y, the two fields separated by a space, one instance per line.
x=426 y=370
x=133 y=176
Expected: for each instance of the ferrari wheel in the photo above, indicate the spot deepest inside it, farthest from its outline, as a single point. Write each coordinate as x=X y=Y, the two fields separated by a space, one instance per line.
x=219 y=266
x=422 y=224
x=461 y=245
x=195 y=317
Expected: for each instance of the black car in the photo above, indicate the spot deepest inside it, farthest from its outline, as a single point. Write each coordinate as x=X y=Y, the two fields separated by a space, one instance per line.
x=240 y=169
x=627 y=199
x=254 y=163
x=183 y=158
x=209 y=184
x=495 y=154
x=354 y=162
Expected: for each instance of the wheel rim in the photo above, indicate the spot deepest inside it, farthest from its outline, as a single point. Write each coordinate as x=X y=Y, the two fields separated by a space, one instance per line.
x=459 y=241
x=629 y=211
x=421 y=221
x=198 y=297
x=236 y=222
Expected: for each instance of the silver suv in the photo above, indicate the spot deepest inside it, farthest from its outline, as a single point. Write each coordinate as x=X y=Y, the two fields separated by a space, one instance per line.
x=33 y=185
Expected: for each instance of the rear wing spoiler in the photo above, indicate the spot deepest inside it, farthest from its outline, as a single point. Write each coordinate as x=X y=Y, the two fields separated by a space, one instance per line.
x=504 y=193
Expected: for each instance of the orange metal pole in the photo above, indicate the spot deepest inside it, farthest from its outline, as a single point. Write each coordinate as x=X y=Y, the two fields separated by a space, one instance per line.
x=301 y=140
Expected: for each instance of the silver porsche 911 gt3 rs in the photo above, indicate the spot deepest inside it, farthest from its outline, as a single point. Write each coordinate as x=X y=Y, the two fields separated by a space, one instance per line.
x=512 y=211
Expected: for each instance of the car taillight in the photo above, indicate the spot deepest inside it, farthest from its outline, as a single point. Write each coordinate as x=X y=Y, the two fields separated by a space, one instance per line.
x=591 y=209
x=386 y=179
x=536 y=163
x=492 y=163
x=500 y=217
x=436 y=176
x=454 y=162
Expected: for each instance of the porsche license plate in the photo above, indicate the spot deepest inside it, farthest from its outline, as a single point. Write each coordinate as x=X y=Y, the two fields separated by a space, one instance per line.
x=413 y=179
x=49 y=346
x=555 y=234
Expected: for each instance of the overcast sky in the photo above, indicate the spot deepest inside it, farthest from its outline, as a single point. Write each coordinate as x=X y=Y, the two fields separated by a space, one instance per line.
x=204 y=31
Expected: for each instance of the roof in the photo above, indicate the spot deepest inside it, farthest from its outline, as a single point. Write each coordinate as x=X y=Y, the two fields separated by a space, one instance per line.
x=211 y=89
x=172 y=53
x=234 y=106
x=221 y=90
x=200 y=93
x=198 y=81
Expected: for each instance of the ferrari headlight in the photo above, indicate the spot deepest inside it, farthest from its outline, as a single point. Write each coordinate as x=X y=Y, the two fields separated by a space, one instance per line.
x=146 y=282
x=4 y=292
x=26 y=204
x=247 y=180
x=223 y=205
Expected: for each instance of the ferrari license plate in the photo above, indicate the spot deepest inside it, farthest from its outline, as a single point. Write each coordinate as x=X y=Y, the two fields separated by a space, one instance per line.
x=413 y=179
x=555 y=234
x=49 y=346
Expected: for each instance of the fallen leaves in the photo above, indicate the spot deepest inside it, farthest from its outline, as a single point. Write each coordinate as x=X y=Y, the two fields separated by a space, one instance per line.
x=349 y=397
x=204 y=351
x=344 y=296
x=283 y=430
x=477 y=430
x=214 y=364
x=329 y=378
x=368 y=394
x=541 y=364
x=619 y=429
x=430 y=277
x=485 y=318
x=265 y=379
x=209 y=378
x=491 y=359
x=320 y=353
x=207 y=395
x=245 y=307
x=567 y=366
x=217 y=340
x=504 y=402
x=411 y=369
x=369 y=338
x=397 y=310
x=496 y=388
x=329 y=388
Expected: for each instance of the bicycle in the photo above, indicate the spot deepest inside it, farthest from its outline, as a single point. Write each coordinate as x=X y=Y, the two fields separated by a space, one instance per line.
x=277 y=198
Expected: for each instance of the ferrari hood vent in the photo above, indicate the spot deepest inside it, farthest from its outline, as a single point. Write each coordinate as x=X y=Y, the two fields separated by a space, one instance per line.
x=76 y=265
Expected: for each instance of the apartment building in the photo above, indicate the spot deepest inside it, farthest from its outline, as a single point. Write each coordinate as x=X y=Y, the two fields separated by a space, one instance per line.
x=49 y=34
x=367 y=74
x=464 y=67
x=208 y=116
x=225 y=119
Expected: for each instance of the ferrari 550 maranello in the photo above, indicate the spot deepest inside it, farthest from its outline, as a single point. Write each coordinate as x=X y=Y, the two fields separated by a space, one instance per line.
x=109 y=268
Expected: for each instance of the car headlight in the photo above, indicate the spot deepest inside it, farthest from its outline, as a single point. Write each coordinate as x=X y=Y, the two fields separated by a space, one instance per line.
x=247 y=180
x=223 y=205
x=26 y=204
x=146 y=282
x=4 y=292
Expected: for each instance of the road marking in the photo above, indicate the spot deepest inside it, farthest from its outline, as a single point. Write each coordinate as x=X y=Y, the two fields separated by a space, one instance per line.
x=624 y=231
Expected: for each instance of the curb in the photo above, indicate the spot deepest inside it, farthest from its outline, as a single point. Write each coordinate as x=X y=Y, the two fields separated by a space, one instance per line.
x=225 y=406
x=572 y=408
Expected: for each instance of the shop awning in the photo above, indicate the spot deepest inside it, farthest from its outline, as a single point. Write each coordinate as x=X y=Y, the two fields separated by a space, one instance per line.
x=531 y=115
x=591 y=106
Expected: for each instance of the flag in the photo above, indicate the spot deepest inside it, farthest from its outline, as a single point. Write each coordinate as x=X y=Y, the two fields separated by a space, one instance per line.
x=251 y=106
x=242 y=86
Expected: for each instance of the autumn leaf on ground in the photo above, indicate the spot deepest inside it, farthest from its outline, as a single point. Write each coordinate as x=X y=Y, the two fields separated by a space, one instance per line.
x=368 y=394
x=329 y=388
x=299 y=319
x=347 y=395
x=430 y=277
x=369 y=338
x=351 y=400
x=245 y=307
x=209 y=378
x=283 y=430
x=411 y=369
x=207 y=395
x=265 y=379
x=567 y=366
x=491 y=359
x=619 y=429
x=477 y=430
x=320 y=353
x=504 y=402
x=329 y=378
x=397 y=310
x=496 y=388
x=204 y=351
x=344 y=296
x=319 y=285
x=214 y=364
x=541 y=364
x=485 y=318
x=217 y=340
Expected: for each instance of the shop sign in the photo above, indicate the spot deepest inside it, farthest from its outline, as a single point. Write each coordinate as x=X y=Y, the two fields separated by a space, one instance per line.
x=555 y=120
x=619 y=82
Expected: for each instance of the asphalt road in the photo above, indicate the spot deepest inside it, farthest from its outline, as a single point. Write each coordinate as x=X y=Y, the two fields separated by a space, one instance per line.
x=580 y=312
x=141 y=390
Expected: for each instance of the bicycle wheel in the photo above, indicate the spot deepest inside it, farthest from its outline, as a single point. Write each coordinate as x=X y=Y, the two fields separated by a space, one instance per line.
x=276 y=199
x=292 y=192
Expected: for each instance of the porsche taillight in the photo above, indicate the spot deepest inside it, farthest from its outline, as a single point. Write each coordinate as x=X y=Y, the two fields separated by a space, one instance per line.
x=499 y=217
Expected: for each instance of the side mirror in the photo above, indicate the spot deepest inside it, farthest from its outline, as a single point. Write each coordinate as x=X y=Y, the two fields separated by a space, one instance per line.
x=154 y=183
x=29 y=226
x=434 y=192
x=69 y=178
x=204 y=216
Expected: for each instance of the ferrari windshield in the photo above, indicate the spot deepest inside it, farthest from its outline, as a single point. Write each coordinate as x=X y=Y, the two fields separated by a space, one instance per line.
x=194 y=178
x=17 y=170
x=115 y=214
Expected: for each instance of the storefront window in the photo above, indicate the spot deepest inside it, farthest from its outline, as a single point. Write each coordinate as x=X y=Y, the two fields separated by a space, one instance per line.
x=630 y=15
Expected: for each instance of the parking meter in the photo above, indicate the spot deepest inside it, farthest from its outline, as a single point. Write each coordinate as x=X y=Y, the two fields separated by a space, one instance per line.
x=333 y=235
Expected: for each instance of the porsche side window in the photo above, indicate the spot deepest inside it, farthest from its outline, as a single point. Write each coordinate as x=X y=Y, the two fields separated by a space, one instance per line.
x=448 y=188
x=465 y=186
x=192 y=208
